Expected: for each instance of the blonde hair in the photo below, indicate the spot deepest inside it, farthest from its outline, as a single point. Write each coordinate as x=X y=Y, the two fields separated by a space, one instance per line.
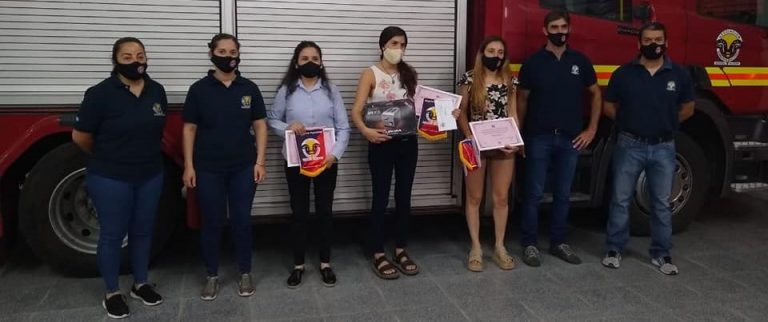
x=478 y=92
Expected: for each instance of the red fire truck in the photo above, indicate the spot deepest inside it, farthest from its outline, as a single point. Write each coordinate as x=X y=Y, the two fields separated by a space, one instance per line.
x=52 y=50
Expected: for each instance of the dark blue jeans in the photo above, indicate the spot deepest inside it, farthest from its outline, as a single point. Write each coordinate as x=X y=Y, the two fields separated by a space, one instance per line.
x=124 y=208
x=630 y=159
x=400 y=156
x=545 y=152
x=218 y=192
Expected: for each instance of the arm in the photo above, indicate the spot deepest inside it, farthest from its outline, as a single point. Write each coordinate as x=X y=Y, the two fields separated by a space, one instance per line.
x=84 y=140
x=512 y=112
x=522 y=105
x=586 y=136
x=260 y=129
x=276 y=116
x=341 y=125
x=364 y=86
x=191 y=117
x=189 y=132
x=463 y=120
x=259 y=125
x=88 y=120
x=609 y=110
x=686 y=111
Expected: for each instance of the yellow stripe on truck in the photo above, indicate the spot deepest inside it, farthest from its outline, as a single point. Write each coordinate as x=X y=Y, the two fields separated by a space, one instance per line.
x=747 y=76
x=719 y=77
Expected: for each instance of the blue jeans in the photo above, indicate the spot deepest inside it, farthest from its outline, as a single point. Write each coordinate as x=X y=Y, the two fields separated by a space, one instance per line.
x=124 y=208
x=630 y=159
x=545 y=152
x=218 y=192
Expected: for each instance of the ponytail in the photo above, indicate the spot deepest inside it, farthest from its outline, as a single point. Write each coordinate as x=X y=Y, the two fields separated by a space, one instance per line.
x=408 y=78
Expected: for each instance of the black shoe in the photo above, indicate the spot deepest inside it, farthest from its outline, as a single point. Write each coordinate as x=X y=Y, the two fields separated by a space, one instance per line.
x=564 y=252
x=294 y=280
x=531 y=256
x=146 y=294
x=329 y=278
x=116 y=307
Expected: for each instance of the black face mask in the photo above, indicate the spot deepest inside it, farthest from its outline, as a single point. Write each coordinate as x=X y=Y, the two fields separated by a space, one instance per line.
x=558 y=39
x=132 y=71
x=225 y=63
x=653 y=51
x=492 y=63
x=309 y=69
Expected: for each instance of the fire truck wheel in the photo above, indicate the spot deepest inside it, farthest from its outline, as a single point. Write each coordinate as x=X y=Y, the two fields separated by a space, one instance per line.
x=59 y=222
x=689 y=190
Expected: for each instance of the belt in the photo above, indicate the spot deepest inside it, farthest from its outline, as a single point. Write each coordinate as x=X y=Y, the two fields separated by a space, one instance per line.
x=653 y=140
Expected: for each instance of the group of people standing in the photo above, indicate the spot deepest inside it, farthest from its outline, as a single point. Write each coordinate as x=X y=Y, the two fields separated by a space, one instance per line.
x=121 y=120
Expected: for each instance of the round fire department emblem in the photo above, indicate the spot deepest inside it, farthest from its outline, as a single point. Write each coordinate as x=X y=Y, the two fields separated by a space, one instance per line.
x=728 y=47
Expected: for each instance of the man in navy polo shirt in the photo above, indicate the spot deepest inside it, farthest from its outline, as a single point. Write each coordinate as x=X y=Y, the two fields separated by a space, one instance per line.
x=552 y=85
x=648 y=98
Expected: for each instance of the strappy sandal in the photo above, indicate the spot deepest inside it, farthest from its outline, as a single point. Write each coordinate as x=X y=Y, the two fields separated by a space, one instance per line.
x=475 y=261
x=503 y=259
x=402 y=261
x=381 y=270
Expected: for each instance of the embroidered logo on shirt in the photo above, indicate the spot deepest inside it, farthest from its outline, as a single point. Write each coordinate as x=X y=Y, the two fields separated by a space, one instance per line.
x=246 y=102
x=575 y=70
x=671 y=86
x=158 y=109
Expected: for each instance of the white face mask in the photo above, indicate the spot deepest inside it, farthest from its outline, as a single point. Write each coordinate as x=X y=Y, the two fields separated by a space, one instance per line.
x=393 y=56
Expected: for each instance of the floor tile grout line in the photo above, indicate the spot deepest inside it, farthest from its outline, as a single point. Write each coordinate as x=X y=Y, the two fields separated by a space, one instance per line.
x=450 y=298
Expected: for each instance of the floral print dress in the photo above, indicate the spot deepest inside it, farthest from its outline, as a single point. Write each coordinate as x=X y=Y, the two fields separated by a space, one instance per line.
x=496 y=103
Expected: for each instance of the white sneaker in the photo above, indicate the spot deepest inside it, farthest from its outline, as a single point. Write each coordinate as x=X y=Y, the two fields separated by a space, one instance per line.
x=665 y=265
x=612 y=259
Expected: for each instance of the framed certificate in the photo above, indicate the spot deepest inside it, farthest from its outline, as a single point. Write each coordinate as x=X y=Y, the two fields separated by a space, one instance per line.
x=423 y=92
x=496 y=134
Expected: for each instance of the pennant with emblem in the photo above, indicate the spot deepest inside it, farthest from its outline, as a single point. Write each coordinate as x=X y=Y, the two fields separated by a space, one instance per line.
x=312 y=152
x=428 y=126
x=469 y=155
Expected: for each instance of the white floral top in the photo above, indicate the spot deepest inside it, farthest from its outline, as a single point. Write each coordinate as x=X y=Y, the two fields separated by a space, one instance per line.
x=495 y=104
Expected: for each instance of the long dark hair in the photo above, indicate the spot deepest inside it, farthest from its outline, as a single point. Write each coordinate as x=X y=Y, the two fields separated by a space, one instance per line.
x=119 y=43
x=291 y=78
x=408 y=75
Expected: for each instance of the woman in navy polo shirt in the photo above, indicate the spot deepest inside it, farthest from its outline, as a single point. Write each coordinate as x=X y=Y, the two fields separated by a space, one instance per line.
x=220 y=159
x=305 y=99
x=120 y=124
x=389 y=79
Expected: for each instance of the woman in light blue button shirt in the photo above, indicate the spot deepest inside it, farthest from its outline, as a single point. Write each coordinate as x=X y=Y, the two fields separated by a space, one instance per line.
x=307 y=99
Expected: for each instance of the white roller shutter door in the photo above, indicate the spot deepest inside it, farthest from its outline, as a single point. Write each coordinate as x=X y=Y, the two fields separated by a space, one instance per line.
x=348 y=31
x=52 y=51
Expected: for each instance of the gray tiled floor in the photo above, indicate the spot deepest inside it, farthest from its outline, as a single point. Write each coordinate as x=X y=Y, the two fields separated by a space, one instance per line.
x=723 y=259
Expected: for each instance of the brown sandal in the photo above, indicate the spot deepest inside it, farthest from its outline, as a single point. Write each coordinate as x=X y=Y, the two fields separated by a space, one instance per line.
x=503 y=259
x=380 y=269
x=475 y=260
x=402 y=261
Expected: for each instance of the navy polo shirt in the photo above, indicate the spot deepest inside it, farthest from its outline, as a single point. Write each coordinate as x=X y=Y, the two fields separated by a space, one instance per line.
x=556 y=90
x=127 y=130
x=224 y=116
x=648 y=106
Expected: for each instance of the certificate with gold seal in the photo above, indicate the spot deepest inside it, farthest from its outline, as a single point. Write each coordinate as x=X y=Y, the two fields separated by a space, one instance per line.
x=496 y=134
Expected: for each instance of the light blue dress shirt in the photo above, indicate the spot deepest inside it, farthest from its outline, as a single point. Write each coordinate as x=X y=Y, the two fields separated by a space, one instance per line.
x=314 y=108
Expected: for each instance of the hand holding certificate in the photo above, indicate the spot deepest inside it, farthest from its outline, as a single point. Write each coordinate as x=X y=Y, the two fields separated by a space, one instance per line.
x=496 y=134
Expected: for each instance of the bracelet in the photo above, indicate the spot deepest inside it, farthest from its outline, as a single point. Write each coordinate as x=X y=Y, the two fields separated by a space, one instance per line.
x=261 y=164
